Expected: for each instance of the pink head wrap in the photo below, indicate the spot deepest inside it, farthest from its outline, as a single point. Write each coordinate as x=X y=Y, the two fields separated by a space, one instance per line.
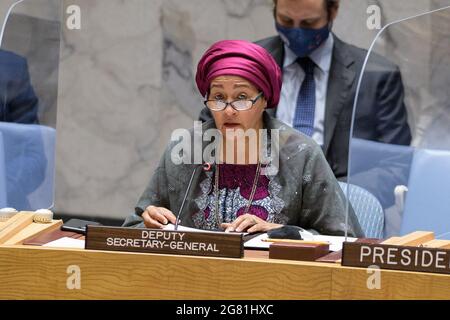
x=241 y=58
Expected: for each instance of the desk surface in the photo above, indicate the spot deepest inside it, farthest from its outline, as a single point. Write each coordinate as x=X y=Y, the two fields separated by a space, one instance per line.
x=28 y=272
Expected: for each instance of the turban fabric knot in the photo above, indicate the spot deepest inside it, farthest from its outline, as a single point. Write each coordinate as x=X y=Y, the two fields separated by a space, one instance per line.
x=244 y=59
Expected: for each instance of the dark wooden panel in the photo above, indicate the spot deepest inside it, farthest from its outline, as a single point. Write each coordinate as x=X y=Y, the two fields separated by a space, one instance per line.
x=215 y=244
x=408 y=258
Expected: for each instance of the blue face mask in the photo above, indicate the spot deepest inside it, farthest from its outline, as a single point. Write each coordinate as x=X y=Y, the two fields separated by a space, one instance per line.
x=303 y=41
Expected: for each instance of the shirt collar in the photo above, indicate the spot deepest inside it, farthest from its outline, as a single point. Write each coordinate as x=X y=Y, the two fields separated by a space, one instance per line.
x=321 y=56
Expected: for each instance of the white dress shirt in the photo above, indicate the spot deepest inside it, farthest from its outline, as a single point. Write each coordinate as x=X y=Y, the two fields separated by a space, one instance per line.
x=293 y=76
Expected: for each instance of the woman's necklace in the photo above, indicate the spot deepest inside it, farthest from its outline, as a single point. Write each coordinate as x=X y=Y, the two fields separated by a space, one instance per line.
x=250 y=200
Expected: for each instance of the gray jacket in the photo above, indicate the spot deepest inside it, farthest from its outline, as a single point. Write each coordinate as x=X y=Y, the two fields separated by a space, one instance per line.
x=305 y=192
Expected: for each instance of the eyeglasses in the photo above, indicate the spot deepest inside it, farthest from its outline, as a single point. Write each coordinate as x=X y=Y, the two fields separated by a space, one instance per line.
x=238 y=105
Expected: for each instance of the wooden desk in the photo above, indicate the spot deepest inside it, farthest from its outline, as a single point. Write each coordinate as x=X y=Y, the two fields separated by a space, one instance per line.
x=28 y=272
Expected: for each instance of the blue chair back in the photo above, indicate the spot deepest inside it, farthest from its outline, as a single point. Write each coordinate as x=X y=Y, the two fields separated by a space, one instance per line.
x=367 y=209
x=28 y=166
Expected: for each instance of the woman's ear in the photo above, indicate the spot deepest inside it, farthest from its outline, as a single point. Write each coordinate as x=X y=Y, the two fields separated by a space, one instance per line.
x=264 y=108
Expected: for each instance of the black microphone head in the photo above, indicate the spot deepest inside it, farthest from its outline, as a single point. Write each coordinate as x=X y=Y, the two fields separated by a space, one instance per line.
x=139 y=211
x=285 y=232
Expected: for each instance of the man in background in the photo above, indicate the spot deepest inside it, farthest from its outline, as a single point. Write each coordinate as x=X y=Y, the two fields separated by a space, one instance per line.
x=23 y=152
x=18 y=101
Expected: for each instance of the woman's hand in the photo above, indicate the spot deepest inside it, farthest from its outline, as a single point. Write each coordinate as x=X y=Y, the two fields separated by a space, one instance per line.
x=158 y=217
x=250 y=223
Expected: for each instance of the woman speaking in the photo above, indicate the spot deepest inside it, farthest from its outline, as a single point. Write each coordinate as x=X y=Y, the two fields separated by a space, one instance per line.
x=237 y=191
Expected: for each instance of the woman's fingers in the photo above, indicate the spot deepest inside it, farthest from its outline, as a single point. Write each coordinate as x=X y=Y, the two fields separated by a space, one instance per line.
x=156 y=214
x=232 y=226
x=263 y=227
x=245 y=224
x=259 y=227
x=150 y=222
x=161 y=215
x=241 y=223
x=225 y=225
x=168 y=215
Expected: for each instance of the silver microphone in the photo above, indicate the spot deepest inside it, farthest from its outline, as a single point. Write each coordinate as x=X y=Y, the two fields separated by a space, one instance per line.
x=184 y=200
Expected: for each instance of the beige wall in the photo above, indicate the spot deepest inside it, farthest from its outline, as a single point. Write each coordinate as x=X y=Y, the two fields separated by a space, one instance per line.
x=4 y=6
x=44 y=9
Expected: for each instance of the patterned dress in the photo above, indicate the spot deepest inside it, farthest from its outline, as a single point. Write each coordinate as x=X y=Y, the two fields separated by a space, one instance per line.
x=235 y=187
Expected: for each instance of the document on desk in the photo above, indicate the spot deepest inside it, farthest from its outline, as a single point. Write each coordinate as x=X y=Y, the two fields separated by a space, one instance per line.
x=66 y=242
x=259 y=243
x=334 y=241
x=171 y=226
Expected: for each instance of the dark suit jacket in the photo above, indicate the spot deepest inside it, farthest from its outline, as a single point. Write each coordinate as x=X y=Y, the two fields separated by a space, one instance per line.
x=18 y=101
x=25 y=158
x=381 y=113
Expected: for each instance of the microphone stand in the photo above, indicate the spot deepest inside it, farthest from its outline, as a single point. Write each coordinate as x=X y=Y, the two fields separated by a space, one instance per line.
x=184 y=200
